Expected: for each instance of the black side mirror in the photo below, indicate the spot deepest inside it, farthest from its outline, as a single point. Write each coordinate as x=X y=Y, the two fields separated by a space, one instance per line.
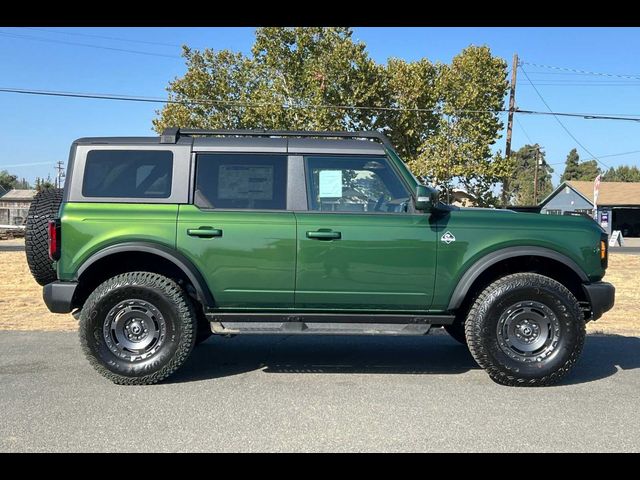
x=426 y=198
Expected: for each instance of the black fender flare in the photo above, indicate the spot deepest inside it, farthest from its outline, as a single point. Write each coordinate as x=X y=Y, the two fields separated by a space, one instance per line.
x=475 y=270
x=179 y=260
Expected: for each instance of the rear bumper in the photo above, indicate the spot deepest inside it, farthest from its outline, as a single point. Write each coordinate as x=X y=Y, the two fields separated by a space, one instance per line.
x=601 y=297
x=59 y=295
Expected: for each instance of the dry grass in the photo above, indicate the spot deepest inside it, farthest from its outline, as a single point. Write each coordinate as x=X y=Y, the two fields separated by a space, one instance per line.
x=22 y=308
x=21 y=304
x=624 y=317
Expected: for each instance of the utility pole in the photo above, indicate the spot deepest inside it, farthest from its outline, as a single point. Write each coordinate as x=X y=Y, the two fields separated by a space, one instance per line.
x=512 y=108
x=535 y=177
x=59 y=173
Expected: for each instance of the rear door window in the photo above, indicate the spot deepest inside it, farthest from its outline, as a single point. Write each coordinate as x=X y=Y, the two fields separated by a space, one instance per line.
x=241 y=181
x=128 y=174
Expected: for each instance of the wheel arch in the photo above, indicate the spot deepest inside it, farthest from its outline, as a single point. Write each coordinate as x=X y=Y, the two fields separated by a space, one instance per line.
x=547 y=258
x=146 y=256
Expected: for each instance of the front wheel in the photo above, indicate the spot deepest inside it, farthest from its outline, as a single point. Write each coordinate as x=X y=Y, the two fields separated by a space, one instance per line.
x=525 y=329
x=137 y=328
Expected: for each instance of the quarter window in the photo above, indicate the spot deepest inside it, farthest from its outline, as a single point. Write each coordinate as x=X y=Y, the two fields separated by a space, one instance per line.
x=355 y=184
x=128 y=174
x=255 y=182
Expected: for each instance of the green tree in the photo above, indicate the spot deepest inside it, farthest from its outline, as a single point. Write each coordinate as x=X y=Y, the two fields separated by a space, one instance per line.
x=410 y=88
x=576 y=170
x=7 y=181
x=623 y=173
x=22 y=183
x=470 y=92
x=44 y=184
x=291 y=75
x=521 y=191
x=441 y=118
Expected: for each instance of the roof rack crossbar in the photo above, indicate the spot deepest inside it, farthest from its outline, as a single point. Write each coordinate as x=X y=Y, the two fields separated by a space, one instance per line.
x=171 y=135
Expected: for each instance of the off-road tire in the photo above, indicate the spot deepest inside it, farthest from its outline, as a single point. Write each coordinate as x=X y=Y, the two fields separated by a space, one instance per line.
x=482 y=333
x=456 y=331
x=174 y=308
x=44 y=207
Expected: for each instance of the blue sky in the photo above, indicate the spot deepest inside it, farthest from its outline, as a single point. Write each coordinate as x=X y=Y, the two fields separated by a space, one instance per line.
x=37 y=131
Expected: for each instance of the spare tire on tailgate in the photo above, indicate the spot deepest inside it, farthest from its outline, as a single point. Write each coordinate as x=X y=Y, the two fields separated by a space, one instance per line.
x=44 y=207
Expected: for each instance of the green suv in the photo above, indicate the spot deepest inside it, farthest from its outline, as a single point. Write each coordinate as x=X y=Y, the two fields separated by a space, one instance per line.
x=156 y=243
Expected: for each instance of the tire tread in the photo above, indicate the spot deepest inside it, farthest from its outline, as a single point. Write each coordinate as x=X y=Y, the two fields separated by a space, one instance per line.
x=174 y=293
x=44 y=207
x=473 y=331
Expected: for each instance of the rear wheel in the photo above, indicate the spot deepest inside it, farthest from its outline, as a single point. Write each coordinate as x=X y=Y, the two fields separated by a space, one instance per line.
x=525 y=330
x=137 y=328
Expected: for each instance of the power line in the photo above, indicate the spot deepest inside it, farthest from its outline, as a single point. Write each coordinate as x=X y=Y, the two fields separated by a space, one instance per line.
x=603 y=156
x=618 y=154
x=524 y=131
x=133 y=98
x=588 y=84
x=104 y=37
x=64 y=42
x=581 y=72
x=559 y=122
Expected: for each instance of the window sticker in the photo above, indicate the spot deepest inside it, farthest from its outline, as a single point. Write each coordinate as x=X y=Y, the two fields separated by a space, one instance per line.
x=330 y=184
x=241 y=182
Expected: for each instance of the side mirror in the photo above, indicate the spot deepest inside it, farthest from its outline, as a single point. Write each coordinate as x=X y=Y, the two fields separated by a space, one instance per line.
x=426 y=198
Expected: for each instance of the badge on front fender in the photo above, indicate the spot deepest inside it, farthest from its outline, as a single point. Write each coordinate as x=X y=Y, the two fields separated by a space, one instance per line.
x=448 y=237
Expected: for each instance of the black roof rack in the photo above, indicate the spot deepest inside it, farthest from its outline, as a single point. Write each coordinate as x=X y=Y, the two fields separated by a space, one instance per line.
x=171 y=135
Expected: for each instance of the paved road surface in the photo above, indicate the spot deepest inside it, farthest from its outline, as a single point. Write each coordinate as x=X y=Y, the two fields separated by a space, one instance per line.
x=11 y=245
x=626 y=250
x=281 y=393
x=11 y=248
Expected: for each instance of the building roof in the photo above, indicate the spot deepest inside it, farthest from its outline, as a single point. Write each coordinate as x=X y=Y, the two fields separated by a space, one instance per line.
x=18 y=194
x=2 y=191
x=611 y=193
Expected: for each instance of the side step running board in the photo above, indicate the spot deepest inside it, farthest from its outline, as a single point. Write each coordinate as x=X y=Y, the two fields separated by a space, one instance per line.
x=324 y=324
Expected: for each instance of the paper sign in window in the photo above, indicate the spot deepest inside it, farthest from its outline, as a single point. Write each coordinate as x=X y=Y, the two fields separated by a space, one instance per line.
x=330 y=184
x=241 y=182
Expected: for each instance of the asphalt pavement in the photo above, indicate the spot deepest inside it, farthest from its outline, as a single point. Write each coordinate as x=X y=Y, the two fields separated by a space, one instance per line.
x=10 y=246
x=626 y=250
x=322 y=393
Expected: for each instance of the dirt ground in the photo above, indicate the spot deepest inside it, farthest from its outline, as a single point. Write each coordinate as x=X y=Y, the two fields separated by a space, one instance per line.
x=22 y=308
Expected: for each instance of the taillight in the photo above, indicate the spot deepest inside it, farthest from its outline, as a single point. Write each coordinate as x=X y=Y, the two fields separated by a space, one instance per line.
x=54 y=239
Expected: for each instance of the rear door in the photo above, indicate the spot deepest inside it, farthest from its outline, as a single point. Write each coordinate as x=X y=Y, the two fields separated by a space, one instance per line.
x=238 y=231
x=360 y=245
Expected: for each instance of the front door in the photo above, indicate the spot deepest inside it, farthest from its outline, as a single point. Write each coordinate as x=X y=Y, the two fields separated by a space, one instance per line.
x=360 y=245
x=238 y=232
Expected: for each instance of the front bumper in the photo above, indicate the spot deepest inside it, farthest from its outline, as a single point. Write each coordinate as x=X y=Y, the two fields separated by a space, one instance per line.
x=58 y=296
x=601 y=296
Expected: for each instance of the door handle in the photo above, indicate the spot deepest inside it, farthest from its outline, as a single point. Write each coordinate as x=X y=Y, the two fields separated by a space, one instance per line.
x=324 y=235
x=204 y=232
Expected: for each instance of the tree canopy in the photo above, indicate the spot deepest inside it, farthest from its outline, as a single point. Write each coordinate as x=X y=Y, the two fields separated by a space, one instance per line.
x=44 y=184
x=521 y=185
x=576 y=170
x=442 y=118
x=623 y=173
x=7 y=181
